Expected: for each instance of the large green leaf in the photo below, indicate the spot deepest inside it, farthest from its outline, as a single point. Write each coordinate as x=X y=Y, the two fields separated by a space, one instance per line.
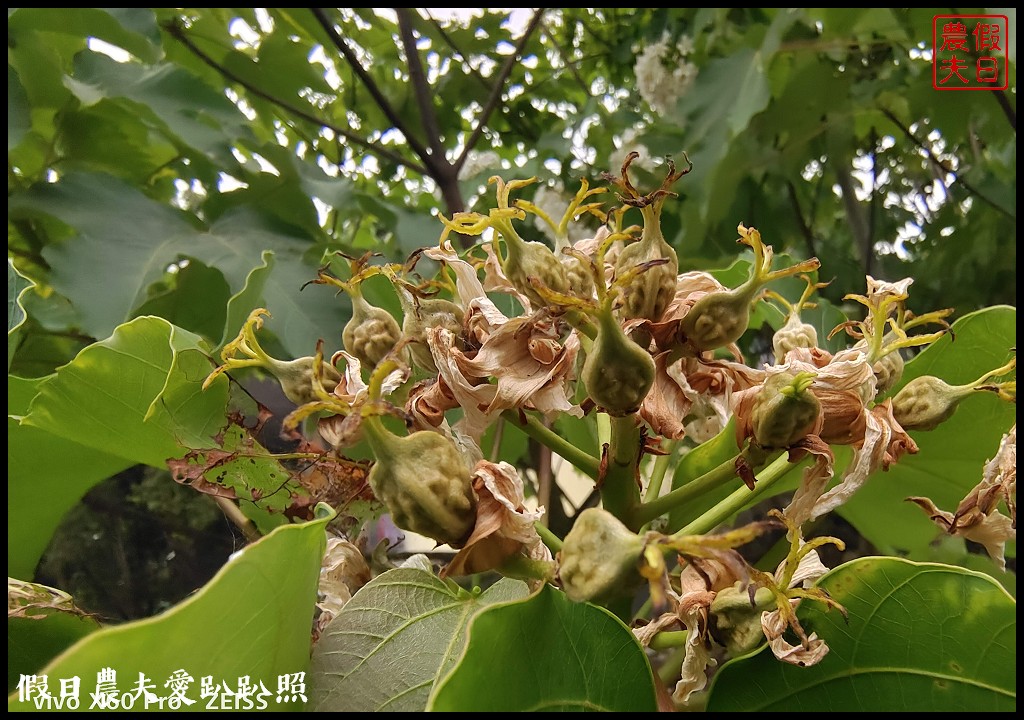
x=46 y=476
x=394 y=640
x=182 y=106
x=17 y=284
x=135 y=396
x=921 y=637
x=126 y=241
x=133 y=29
x=253 y=619
x=19 y=121
x=547 y=653
x=952 y=456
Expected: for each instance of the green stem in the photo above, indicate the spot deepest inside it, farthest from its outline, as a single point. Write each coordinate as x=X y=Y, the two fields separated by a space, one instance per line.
x=669 y=639
x=553 y=542
x=620 y=493
x=740 y=498
x=524 y=568
x=580 y=459
x=661 y=465
x=693 y=489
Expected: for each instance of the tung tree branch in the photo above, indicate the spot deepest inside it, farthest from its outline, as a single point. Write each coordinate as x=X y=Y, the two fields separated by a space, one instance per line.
x=499 y=85
x=420 y=86
x=371 y=87
x=177 y=32
x=945 y=166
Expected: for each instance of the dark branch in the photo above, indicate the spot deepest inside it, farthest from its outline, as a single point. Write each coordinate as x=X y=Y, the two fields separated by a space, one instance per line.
x=371 y=86
x=854 y=212
x=1008 y=110
x=420 y=86
x=944 y=166
x=497 y=89
x=565 y=59
x=176 y=32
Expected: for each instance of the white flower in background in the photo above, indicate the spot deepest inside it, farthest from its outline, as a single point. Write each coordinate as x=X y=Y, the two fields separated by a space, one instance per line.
x=663 y=74
x=623 y=147
x=476 y=163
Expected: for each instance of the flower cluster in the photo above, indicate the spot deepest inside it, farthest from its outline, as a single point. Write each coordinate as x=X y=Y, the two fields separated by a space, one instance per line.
x=663 y=74
x=608 y=325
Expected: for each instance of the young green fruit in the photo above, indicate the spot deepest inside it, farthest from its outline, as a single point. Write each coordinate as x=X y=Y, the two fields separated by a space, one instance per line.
x=371 y=333
x=296 y=378
x=926 y=402
x=423 y=481
x=648 y=293
x=525 y=260
x=599 y=557
x=785 y=410
x=794 y=334
x=617 y=373
x=422 y=316
x=888 y=371
x=720 y=318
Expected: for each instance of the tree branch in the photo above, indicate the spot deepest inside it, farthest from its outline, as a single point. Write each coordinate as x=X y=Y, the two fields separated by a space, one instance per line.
x=565 y=59
x=175 y=31
x=939 y=162
x=420 y=86
x=854 y=212
x=375 y=92
x=496 y=90
x=1008 y=110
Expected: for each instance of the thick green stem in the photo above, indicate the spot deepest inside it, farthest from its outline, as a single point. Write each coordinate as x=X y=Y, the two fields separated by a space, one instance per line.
x=661 y=465
x=553 y=542
x=620 y=493
x=693 y=489
x=524 y=568
x=669 y=639
x=739 y=499
x=581 y=460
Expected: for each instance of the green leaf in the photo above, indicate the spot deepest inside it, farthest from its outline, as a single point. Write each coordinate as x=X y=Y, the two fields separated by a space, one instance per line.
x=135 y=396
x=952 y=456
x=394 y=639
x=253 y=618
x=176 y=102
x=547 y=653
x=17 y=284
x=245 y=300
x=921 y=637
x=133 y=29
x=126 y=242
x=19 y=119
x=46 y=476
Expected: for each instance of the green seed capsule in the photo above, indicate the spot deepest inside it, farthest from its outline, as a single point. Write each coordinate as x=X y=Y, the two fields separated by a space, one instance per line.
x=785 y=410
x=599 y=557
x=424 y=315
x=717 y=319
x=926 y=402
x=424 y=483
x=371 y=333
x=648 y=294
x=617 y=373
x=296 y=378
x=528 y=260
